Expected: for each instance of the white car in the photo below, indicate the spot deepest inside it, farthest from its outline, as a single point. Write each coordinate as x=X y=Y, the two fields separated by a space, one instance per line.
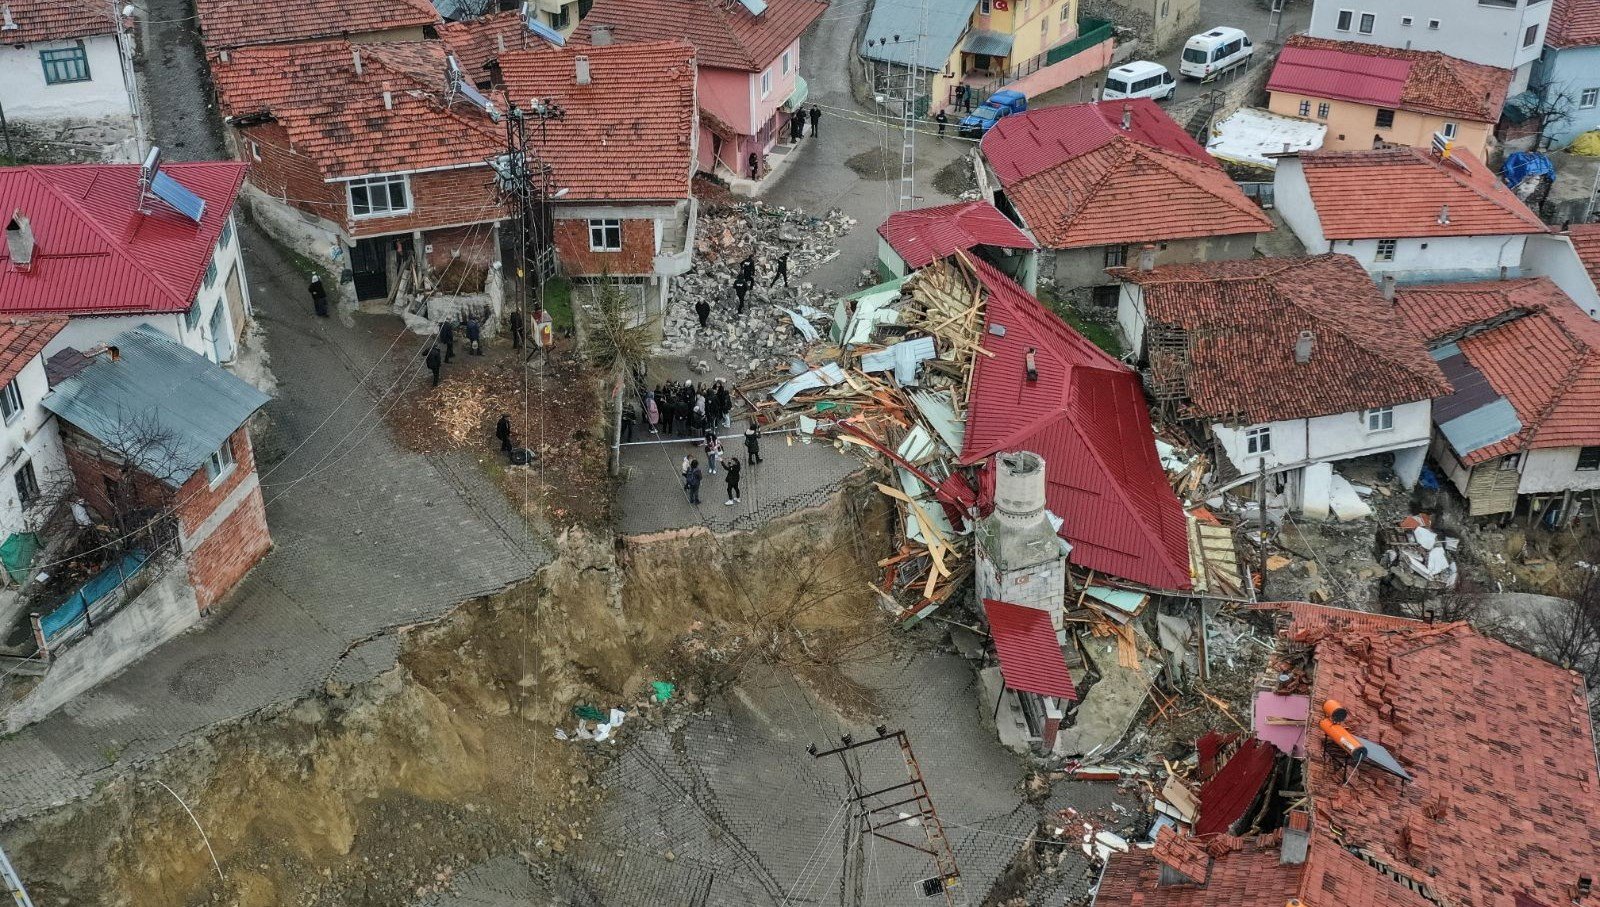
x=1139 y=79
x=1217 y=50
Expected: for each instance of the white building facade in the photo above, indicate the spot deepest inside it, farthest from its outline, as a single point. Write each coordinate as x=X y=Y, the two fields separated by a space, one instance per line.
x=1505 y=33
x=32 y=464
x=78 y=79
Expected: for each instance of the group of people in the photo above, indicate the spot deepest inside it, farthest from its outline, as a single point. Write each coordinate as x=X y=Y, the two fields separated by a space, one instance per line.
x=443 y=348
x=731 y=467
x=686 y=410
x=744 y=283
x=797 y=130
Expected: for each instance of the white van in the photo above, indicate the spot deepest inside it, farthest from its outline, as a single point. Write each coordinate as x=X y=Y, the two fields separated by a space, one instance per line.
x=1207 y=54
x=1139 y=79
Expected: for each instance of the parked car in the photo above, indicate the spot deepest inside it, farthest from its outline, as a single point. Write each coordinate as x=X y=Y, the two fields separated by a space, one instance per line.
x=1217 y=50
x=1139 y=79
x=1000 y=104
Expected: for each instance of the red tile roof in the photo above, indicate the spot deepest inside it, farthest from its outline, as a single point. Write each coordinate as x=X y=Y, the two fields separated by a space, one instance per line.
x=627 y=134
x=1078 y=179
x=476 y=42
x=1501 y=749
x=1556 y=392
x=21 y=339
x=1247 y=874
x=1087 y=417
x=1030 y=656
x=95 y=254
x=57 y=20
x=1574 y=23
x=724 y=34
x=337 y=118
x=233 y=23
x=1586 y=242
x=1423 y=81
x=925 y=234
x=1243 y=319
x=1230 y=792
x=1397 y=192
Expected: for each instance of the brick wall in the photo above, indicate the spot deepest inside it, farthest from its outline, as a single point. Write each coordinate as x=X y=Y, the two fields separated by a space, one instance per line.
x=637 y=256
x=287 y=175
x=223 y=559
x=476 y=244
x=440 y=199
x=198 y=500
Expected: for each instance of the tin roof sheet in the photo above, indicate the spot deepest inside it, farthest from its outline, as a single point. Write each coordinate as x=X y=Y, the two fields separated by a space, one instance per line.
x=1030 y=654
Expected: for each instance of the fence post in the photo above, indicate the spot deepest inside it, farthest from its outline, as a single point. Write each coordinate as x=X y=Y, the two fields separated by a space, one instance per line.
x=38 y=636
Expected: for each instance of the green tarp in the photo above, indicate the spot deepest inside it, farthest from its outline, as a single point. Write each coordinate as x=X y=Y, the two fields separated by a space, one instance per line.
x=17 y=554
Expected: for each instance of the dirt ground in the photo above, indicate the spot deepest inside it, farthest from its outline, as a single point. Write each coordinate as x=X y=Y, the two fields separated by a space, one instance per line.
x=378 y=794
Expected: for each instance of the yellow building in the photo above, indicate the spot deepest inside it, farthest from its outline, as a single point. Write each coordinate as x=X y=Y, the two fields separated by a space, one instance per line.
x=1009 y=41
x=1370 y=96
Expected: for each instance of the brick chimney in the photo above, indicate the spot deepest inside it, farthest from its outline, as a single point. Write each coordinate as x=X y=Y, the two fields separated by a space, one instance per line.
x=600 y=35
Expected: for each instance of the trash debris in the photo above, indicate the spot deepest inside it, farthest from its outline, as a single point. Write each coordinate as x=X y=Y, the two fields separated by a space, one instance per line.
x=661 y=691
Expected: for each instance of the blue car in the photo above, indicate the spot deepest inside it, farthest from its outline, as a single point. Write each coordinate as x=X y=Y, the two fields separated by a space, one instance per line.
x=1000 y=104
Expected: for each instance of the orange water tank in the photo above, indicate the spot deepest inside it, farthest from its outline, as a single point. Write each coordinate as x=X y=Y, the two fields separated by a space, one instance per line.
x=1346 y=740
x=1335 y=709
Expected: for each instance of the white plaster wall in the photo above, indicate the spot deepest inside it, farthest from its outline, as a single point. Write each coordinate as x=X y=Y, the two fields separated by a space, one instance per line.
x=890 y=258
x=33 y=437
x=1490 y=35
x=1555 y=469
x=1440 y=258
x=1131 y=319
x=1292 y=198
x=27 y=97
x=1551 y=255
x=1296 y=442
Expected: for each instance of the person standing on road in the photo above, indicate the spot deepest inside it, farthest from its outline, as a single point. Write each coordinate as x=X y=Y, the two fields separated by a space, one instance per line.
x=434 y=362
x=816 y=115
x=474 y=334
x=942 y=119
x=752 y=443
x=782 y=273
x=629 y=416
x=319 y=296
x=518 y=328
x=713 y=451
x=652 y=412
x=699 y=411
x=723 y=401
x=502 y=431
x=669 y=408
x=797 y=128
x=702 y=310
x=755 y=166
x=731 y=466
x=691 y=482
x=447 y=336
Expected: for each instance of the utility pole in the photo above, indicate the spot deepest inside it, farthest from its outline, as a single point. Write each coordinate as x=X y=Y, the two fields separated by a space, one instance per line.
x=8 y=876
x=521 y=178
x=907 y=805
x=908 y=109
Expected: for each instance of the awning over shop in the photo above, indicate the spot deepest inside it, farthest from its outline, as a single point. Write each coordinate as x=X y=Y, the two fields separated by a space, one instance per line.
x=990 y=43
x=1030 y=655
x=801 y=92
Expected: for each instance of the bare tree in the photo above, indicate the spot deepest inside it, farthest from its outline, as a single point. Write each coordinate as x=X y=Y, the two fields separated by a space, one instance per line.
x=144 y=465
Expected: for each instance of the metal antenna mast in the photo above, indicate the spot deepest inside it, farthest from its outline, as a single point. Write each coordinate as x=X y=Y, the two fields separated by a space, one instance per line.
x=908 y=117
x=13 y=884
x=880 y=812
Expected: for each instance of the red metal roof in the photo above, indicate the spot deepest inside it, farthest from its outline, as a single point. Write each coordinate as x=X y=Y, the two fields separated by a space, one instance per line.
x=1425 y=81
x=1087 y=417
x=231 y=23
x=1077 y=178
x=338 y=118
x=1243 y=319
x=1556 y=393
x=1230 y=792
x=58 y=20
x=725 y=35
x=1574 y=23
x=21 y=339
x=627 y=134
x=1399 y=192
x=1030 y=655
x=925 y=234
x=96 y=254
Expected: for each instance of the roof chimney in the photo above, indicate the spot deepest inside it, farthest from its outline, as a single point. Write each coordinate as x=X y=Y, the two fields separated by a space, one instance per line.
x=1386 y=283
x=222 y=55
x=1147 y=257
x=600 y=35
x=1504 y=270
x=1296 y=838
x=500 y=43
x=1303 y=346
x=581 y=67
x=388 y=97
x=355 y=55
x=6 y=22
x=1127 y=116
x=1030 y=366
x=1444 y=215
x=19 y=241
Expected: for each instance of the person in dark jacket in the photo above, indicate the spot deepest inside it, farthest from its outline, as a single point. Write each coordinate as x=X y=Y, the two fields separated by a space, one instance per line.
x=668 y=405
x=816 y=115
x=783 y=271
x=434 y=363
x=474 y=332
x=502 y=431
x=747 y=269
x=447 y=336
x=702 y=310
x=691 y=482
x=723 y=402
x=319 y=296
x=741 y=287
x=752 y=444
x=755 y=166
x=518 y=329
x=730 y=465
x=943 y=120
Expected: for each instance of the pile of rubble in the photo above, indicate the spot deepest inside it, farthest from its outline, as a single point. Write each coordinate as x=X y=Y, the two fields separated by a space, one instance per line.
x=777 y=320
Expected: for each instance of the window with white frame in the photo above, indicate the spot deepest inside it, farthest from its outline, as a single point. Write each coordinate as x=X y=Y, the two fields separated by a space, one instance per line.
x=1305 y=108
x=211 y=272
x=380 y=196
x=1449 y=131
x=11 y=402
x=220 y=464
x=1531 y=36
x=766 y=83
x=1380 y=419
x=1323 y=110
x=1346 y=16
x=227 y=232
x=1258 y=441
x=255 y=152
x=191 y=318
x=1066 y=12
x=27 y=484
x=1044 y=30
x=788 y=61
x=605 y=235
x=1510 y=462
x=1386 y=249
x=1588 y=458
x=1589 y=97
x=984 y=6
x=1405 y=21
x=1368 y=20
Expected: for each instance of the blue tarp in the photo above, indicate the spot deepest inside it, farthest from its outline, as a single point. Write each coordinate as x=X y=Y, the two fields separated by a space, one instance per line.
x=1523 y=164
x=99 y=586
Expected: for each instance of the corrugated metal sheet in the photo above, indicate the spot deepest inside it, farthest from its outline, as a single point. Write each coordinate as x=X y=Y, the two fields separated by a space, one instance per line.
x=1227 y=796
x=921 y=235
x=162 y=384
x=1323 y=73
x=992 y=43
x=1030 y=655
x=1474 y=416
x=945 y=22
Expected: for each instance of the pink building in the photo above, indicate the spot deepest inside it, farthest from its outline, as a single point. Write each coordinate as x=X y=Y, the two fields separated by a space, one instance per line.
x=749 y=65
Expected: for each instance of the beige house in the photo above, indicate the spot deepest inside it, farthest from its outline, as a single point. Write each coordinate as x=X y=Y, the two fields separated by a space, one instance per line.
x=1160 y=24
x=1370 y=96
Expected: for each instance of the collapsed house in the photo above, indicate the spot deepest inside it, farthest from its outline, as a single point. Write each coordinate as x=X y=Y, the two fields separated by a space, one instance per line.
x=1380 y=771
